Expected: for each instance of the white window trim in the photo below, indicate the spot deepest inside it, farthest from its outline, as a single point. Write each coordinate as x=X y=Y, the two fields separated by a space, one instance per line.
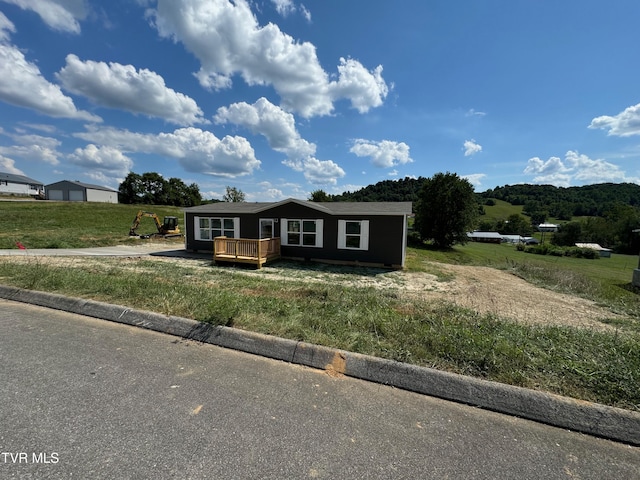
x=273 y=226
x=196 y=227
x=319 y=232
x=364 y=235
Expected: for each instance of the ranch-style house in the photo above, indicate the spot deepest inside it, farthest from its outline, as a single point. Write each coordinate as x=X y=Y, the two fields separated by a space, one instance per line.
x=362 y=233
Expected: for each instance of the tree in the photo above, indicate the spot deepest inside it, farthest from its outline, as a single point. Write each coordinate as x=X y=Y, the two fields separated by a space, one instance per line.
x=130 y=190
x=516 y=224
x=233 y=195
x=447 y=209
x=319 y=196
x=152 y=189
x=181 y=195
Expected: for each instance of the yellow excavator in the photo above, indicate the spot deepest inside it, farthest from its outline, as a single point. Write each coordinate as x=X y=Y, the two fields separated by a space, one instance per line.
x=168 y=227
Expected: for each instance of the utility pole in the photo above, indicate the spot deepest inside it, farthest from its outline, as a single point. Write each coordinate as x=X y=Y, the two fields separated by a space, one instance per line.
x=636 y=273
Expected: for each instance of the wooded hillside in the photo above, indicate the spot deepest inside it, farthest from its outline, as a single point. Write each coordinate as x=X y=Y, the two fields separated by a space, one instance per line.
x=557 y=202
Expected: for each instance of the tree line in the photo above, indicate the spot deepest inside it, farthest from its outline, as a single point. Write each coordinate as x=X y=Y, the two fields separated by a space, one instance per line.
x=566 y=202
x=151 y=188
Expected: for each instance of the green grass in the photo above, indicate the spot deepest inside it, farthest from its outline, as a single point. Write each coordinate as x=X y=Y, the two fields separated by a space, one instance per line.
x=73 y=224
x=592 y=365
x=500 y=211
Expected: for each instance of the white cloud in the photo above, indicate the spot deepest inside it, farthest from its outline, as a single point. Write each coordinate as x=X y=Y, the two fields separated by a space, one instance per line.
x=475 y=179
x=384 y=154
x=365 y=89
x=197 y=150
x=552 y=171
x=227 y=40
x=278 y=127
x=61 y=15
x=33 y=147
x=320 y=172
x=39 y=140
x=32 y=152
x=103 y=159
x=587 y=170
x=22 y=84
x=305 y=13
x=474 y=113
x=349 y=187
x=101 y=178
x=7 y=165
x=123 y=87
x=625 y=124
x=269 y=120
x=471 y=148
x=284 y=7
x=6 y=28
x=575 y=167
x=40 y=126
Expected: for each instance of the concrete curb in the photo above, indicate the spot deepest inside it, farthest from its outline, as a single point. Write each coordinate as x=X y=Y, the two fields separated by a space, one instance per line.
x=590 y=418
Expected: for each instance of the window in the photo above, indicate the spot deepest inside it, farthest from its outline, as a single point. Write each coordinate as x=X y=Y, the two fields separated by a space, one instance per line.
x=209 y=228
x=353 y=234
x=305 y=233
x=266 y=228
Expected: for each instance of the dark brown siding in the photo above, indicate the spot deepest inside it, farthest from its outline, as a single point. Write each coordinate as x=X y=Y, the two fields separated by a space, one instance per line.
x=385 y=235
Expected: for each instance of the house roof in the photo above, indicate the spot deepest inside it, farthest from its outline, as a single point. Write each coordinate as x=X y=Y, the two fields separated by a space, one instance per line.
x=330 y=208
x=13 y=178
x=484 y=235
x=89 y=186
x=593 y=246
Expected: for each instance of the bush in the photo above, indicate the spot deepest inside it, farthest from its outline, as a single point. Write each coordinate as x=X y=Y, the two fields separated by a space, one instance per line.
x=574 y=252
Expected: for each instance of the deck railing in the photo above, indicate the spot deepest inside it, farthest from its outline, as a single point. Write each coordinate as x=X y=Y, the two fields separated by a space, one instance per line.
x=246 y=250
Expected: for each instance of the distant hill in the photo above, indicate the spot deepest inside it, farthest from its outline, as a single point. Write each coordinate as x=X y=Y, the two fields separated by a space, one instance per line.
x=557 y=202
x=403 y=190
x=564 y=203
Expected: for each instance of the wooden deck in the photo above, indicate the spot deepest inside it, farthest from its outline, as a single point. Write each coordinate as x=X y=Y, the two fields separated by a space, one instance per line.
x=246 y=250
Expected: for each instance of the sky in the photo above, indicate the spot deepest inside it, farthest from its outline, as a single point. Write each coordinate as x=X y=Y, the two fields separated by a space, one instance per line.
x=280 y=98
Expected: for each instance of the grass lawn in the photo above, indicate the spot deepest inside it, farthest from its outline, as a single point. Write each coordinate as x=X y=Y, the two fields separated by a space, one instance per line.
x=601 y=366
x=73 y=224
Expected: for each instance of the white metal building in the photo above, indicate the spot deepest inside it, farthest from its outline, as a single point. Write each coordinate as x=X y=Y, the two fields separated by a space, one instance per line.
x=11 y=184
x=69 y=191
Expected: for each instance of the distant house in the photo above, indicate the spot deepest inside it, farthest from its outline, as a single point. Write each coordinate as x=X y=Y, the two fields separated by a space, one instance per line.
x=68 y=191
x=547 y=227
x=364 y=233
x=11 y=184
x=512 y=239
x=604 y=252
x=485 y=237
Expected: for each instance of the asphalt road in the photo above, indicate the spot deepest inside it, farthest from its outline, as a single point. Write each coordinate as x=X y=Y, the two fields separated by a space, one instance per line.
x=89 y=399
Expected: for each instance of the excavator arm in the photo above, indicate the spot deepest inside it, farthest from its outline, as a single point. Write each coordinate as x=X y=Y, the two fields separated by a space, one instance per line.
x=168 y=227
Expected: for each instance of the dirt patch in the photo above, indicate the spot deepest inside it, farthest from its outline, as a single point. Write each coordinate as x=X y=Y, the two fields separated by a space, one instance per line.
x=483 y=289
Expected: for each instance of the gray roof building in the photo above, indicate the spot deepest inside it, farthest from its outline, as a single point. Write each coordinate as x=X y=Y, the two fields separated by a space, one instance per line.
x=74 y=191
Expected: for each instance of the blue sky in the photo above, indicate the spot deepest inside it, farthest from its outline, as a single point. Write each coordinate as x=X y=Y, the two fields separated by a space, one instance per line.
x=283 y=97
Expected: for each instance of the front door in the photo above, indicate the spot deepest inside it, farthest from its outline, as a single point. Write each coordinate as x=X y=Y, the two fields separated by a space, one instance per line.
x=266 y=228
